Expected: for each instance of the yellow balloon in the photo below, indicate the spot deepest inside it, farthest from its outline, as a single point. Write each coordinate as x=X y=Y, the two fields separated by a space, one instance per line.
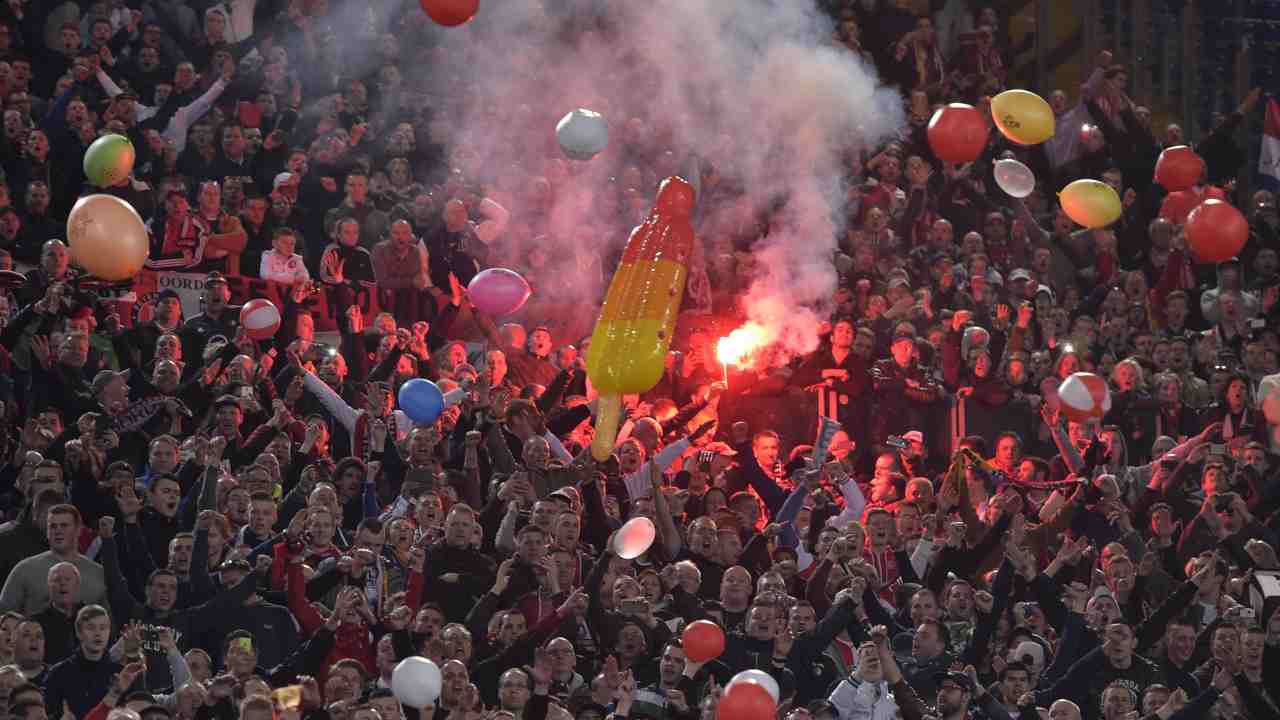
x=1022 y=116
x=1091 y=203
x=107 y=237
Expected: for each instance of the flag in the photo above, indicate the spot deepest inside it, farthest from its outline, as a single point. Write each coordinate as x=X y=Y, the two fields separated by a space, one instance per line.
x=1269 y=158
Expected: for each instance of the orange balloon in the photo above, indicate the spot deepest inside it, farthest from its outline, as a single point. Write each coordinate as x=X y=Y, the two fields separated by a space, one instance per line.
x=450 y=12
x=703 y=640
x=746 y=701
x=1179 y=168
x=958 y=133
x=1216 y=231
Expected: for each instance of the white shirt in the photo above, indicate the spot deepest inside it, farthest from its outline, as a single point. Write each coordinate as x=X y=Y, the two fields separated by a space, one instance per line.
x=285 y=270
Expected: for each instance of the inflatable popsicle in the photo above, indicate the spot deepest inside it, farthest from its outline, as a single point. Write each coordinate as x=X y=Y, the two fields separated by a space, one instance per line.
x=629 y=344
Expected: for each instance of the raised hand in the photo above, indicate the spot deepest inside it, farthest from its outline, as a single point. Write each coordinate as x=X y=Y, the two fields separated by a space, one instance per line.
x=40 y=348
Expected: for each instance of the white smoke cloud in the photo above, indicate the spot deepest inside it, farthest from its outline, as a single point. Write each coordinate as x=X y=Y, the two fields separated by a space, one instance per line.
x=753 y=86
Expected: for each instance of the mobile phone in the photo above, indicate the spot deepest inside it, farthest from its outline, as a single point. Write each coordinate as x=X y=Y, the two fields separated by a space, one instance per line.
x=634 y=606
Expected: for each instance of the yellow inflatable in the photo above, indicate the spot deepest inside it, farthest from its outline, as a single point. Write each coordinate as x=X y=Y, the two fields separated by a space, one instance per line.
x=1022 y=116
x=1091 y=203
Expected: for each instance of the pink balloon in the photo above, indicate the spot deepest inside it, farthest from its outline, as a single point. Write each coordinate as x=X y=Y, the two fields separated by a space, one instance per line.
x=498 y=291
x=634 y=538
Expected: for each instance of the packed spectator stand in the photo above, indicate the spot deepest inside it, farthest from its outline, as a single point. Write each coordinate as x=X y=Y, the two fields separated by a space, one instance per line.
x=917 y=519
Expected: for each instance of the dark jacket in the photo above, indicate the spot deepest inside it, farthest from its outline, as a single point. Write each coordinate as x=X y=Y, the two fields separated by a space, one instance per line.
x=187 y=624
x=900 y=406
x=80 y=683
x=20 y=542
x=476 y=573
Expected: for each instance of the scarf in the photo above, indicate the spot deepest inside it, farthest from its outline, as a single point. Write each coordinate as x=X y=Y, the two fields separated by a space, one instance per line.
x=138 y=414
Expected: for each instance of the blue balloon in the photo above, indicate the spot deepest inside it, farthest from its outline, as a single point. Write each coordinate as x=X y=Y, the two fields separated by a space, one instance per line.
x=421 y=400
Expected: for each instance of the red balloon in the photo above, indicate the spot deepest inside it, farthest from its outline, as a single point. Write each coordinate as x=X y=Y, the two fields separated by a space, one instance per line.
x=450 y=12
x=746 y=701
x=958 y=133
x=703 y=640
x=1179 y=168
x=1216 y=231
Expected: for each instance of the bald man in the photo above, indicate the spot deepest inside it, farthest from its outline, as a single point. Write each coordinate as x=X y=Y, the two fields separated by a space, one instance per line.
x=58 y=619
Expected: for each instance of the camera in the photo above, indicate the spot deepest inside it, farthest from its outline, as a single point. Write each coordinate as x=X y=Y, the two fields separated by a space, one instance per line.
x=896 y=442
x=634 y=606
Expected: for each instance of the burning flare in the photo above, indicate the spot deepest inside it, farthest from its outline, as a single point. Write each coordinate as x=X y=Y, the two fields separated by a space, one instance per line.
x=742 y=344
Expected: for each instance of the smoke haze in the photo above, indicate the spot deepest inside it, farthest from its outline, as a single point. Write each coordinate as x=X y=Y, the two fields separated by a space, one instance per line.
x=753 y=88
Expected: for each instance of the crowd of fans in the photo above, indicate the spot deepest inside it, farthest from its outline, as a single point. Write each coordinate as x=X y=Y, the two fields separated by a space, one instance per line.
x=201 y=526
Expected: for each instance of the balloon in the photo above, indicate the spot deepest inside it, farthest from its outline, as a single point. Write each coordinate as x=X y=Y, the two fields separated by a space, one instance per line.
x=582 y=134
x=703 y=640
x=416 y=681
x=260 y=318
x=1270 y=408
x=757 y=677
x=1023 y=117
x=634 y=538
x=957 y=133
x=109 y=160
x=421 y=400
x=107 y=237
x=1216 y=231
x=498 y=291
x=1084 y=397
x=450 y=12
x=1015 y=178
x=1091 y=203
x=746 y=701
x=1179 y=168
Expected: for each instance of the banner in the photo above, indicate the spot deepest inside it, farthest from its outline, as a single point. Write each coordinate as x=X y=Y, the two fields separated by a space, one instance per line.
x=189 y=286
x=138 y=304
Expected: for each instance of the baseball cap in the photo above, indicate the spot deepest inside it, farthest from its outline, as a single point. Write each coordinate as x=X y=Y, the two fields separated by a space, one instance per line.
x=104 y=378
x=1019 y=274
x=283 y=178
x=1030 y=649
x=167 y=293
x=913 y=436
x=903 y=335
x=214 y=278
x=225 y=401
x=958 y=678
x=564 y=494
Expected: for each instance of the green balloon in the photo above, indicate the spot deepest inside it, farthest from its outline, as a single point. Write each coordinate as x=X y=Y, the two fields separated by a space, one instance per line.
x=108 y=160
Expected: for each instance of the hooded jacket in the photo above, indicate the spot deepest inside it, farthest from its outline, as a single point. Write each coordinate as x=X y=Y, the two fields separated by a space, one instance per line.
x=20 y=542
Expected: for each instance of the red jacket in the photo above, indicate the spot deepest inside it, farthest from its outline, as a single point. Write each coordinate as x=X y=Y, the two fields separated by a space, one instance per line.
x=350 y=641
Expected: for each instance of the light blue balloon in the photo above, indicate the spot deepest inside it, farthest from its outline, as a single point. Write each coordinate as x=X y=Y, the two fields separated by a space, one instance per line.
x=421 y=400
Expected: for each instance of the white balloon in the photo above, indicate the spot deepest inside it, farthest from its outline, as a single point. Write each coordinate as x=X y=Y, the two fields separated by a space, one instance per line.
x=1015 y=178
x=634 y=538
x=582 y=134
x=416 y=682
x=759 y=677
